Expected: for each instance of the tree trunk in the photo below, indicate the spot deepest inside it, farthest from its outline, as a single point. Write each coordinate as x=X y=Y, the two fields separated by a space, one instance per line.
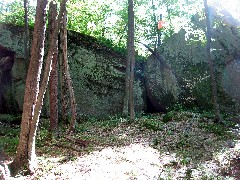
x=24 y=157
x=63 y=89
x=218 y=117
x=26 y=34
x=127 y=80
x=44 y=82
x=131 y=56
x=67 y=73
x=53 y=85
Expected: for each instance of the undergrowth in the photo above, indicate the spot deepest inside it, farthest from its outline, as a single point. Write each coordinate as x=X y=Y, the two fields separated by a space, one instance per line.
x=192 y=137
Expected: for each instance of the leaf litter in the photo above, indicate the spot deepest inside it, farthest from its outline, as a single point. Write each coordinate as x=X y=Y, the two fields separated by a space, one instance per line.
x=186 y=147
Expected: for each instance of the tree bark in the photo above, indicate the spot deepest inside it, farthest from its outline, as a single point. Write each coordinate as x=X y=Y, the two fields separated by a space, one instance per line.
x=67 y=73
x=218 y=117
x=130 y=65
x=62 y=77
x=63 y=89
x=26 y=33
x=53 y=84
x=126 y=96
x=24 y=157
x=131 y=56
x=44 y=82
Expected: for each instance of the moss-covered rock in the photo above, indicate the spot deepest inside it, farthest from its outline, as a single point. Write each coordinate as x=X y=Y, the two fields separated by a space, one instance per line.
x=161 y=85
x=189 y=61
x=97 y=73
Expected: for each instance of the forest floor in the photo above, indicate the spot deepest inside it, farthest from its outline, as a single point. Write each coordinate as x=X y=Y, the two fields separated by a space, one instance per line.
x=179 y=145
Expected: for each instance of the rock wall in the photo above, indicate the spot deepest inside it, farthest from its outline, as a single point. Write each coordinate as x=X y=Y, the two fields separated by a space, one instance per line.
x=189 y=61
x=96 y=71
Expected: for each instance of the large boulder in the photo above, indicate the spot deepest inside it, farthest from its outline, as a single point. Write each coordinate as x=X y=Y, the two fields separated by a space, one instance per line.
x=97 y=73
x=189 y=62
x=98 y=77
x=161 y=85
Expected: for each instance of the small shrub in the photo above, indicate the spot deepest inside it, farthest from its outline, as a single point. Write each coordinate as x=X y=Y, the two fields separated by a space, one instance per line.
x=42 y=137
x=152 y=124
x=9 y=144
x=155 y=141
x=169 y=116
x=217 y=129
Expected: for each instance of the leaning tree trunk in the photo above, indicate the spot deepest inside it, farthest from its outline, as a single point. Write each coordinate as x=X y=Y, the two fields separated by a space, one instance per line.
x=131 y=56
x=46 y=74
x=24 y=154
x=67 y=73
x=218 y=117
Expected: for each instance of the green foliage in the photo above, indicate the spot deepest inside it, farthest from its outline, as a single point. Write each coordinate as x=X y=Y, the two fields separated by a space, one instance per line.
x=9 y=139
x=217 y=129
x=42 y=137
x=108 y=125
x=7 y=118
x=207 y=115
x=13 y=13
x=169 y=116
x=9 y=144
x=152 y=124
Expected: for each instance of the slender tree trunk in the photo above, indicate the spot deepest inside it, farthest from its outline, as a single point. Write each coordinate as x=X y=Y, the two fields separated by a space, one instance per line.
x=46 y=74
x=63 y=88
x=126 y=96
x=67 y=73
x=24 y=157
x=53 y=86
x=64 y=102
x=218 y=117
x=130 y=65
x=26 y=34
x=131 y=56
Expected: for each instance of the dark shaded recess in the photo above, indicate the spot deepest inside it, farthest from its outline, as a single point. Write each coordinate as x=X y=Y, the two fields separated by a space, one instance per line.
x=153 y=106
x=150 y=108
x=6 y=63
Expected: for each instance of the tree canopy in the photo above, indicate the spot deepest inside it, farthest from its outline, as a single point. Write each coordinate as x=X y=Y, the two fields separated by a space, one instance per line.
x=107 y=20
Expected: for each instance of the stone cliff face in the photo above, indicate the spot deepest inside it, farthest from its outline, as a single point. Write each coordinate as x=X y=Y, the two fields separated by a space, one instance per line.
x=96 y=71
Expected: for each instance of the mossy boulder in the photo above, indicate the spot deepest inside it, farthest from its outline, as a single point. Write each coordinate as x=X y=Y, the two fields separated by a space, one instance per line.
x=97 y=73
x=161 y=85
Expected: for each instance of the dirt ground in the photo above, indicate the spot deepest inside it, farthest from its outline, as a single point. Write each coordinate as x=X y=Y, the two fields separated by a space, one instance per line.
x=176 y=150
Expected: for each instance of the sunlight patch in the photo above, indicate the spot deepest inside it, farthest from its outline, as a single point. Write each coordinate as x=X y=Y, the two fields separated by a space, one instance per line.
x=135 y=161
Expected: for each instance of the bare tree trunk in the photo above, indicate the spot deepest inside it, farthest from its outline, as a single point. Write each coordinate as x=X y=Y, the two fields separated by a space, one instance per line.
x=131 y=56
x=218 y=117
x=26 y=34
x=23 y=156
x=67 y=73
x=126 y=97
x=44 y=82
x=130 y=65
x=53 y=86
x=63 y=89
